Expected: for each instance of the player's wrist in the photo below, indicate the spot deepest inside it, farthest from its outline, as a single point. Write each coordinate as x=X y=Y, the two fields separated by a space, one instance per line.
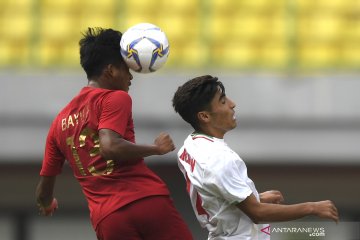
x=311 y=208
x=48 y=209
x=154 y=150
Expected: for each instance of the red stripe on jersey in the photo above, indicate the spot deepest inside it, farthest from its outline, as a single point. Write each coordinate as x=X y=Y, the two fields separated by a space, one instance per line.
x=202 y=137
x=188 y=183
x=199 y=208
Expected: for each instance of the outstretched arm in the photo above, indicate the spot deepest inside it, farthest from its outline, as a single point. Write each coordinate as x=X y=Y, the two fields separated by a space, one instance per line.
x=267 y=212
x=114 y=146
x=46 y=202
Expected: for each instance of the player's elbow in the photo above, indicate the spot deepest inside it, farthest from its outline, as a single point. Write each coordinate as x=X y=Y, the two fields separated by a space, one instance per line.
x=110 y=144
x=252 y=208
x=107 y=148
x=255 y=218
x=113 y=150
x=258 y=215
x=106 y=152
x=254 y=214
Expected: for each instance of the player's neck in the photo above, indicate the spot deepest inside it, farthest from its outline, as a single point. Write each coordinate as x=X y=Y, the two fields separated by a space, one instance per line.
x=94 y=84
x=98 y=84
x=212 y=133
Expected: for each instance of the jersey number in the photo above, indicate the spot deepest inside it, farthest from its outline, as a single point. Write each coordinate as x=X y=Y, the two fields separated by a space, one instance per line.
x=95 y=151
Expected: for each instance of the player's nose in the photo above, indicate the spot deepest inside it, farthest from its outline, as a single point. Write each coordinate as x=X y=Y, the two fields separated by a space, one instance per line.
x=232 y=103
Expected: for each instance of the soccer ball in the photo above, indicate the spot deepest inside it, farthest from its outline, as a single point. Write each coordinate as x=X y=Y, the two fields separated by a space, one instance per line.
x=144 y=47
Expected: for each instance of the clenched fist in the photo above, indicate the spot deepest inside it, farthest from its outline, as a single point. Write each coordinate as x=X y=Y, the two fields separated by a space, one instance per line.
x=164 y=143
x=326 y=209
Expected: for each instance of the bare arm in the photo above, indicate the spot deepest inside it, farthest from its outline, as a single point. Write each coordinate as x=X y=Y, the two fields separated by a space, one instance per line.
x=267 y=212
x=272 y=196
x=113 y=146
x=44 y=194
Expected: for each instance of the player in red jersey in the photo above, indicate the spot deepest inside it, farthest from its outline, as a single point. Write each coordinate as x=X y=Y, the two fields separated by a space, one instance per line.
x=95 y=134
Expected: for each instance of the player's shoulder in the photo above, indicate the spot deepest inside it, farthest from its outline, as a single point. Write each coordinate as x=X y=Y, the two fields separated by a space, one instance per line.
x=116 y=93
x=205 y=142
x=203 y=148
x=102 y=91
x=117 y=96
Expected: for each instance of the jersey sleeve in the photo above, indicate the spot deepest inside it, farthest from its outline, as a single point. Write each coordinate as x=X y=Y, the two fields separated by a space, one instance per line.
x=53 y=158
x=116 y=111
x=227 y=181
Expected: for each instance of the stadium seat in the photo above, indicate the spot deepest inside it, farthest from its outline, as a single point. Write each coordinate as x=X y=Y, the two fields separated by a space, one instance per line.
x=14 y=53
x=333 y=5
x=190 y=55
x=103 y=6
x=71 y=54
x=249 y=26
x=324 y=26
x=5 y=53
x=16 y=6
x=61 y=6
x=177 y=28
x=350 y=55
x=184 y=7
x=96 y=20
x=275 y=55
x=55 y=31
x=16 y=26
x=318 y=55
x=16 y=34
x=140 y=7
x=219 y=29
x=235 y=55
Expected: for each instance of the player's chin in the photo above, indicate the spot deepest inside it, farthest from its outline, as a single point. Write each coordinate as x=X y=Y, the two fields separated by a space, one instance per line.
x=234 y=122
x=231 y=126
x=125 y=89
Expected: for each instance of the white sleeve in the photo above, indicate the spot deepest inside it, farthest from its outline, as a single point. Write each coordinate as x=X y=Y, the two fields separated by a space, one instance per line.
x=227 y=179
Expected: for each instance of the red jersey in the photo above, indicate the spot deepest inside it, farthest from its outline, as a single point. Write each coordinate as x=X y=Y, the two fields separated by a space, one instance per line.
x=73 y=135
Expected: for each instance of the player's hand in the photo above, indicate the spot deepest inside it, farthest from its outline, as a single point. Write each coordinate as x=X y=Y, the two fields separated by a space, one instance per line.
x=326 y=209
x=164 y=143
x=48 y=210
x=272 y=196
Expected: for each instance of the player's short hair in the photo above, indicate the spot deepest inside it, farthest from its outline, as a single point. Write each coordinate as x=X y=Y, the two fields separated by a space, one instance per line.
x=98 y=48
x=195 y=96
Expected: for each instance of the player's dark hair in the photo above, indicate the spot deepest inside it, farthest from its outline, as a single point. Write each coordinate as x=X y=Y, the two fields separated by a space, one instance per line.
x=98 y=48
x=195 y=96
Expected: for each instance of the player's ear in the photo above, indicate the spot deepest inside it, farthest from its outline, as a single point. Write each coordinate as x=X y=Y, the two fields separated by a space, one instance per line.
x=108 y=70
x=203 y=116
x=111 y=68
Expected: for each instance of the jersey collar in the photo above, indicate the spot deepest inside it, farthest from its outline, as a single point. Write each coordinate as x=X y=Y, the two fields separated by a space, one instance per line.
x=196 y=135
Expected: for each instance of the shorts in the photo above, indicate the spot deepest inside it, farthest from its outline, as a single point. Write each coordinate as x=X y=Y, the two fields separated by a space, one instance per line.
x=150 y=218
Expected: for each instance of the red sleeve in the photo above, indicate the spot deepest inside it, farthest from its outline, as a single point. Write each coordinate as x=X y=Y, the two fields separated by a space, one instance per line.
x=116 y=112
x=53 y=158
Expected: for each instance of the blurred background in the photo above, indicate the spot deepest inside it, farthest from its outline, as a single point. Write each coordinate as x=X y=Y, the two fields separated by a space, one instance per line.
x=291 y=66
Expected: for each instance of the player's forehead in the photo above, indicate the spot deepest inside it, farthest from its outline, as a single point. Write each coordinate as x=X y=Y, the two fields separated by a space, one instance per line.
x=218 y=96
x=220 y=92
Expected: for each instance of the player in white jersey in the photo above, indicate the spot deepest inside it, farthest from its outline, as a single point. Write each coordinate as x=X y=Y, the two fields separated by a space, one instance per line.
x=223 y=197
x=218 y=179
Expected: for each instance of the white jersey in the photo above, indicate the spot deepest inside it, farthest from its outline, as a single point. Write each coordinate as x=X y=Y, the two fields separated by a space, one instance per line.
x=216 y=181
